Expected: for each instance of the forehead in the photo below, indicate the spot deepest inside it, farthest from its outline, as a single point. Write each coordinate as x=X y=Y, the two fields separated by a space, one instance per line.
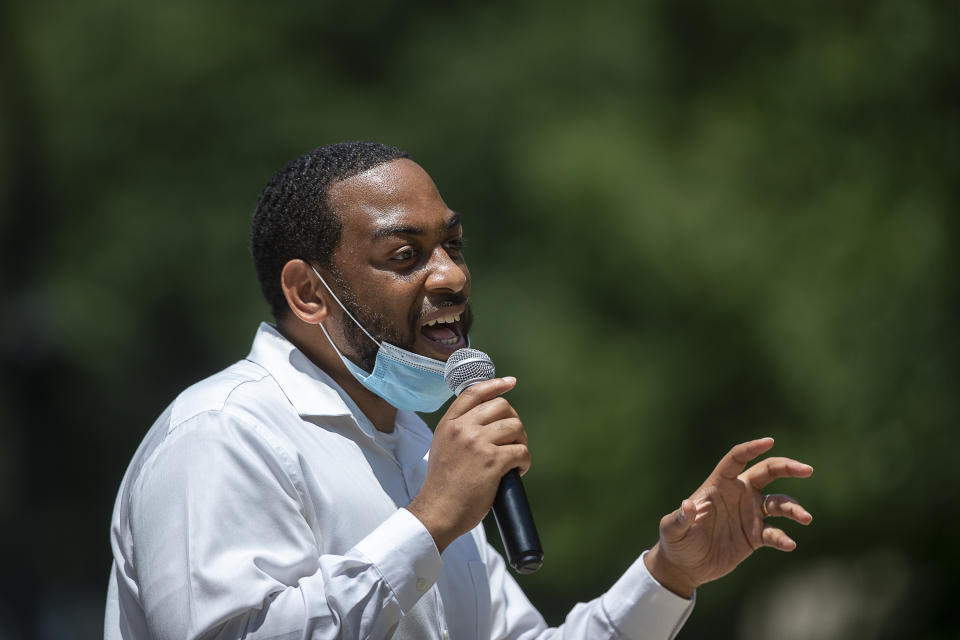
x=394 y=194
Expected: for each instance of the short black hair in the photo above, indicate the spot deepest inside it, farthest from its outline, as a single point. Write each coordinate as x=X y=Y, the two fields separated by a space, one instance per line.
x=294 y=219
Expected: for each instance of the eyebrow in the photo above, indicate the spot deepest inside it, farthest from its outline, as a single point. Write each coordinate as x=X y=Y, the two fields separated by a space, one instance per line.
x=407 y=230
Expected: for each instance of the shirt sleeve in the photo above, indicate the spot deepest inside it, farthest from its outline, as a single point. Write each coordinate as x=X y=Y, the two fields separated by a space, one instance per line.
x=636 y=607
x=222 y=546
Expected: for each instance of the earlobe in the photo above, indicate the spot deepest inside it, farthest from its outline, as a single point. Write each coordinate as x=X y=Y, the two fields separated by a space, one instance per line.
x=305 y=296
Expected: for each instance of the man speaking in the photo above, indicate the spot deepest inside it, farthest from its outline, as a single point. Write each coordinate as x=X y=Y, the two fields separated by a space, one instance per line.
x=292 y=495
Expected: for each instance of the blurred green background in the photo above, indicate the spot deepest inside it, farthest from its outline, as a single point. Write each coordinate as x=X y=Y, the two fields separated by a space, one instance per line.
x=689 y=223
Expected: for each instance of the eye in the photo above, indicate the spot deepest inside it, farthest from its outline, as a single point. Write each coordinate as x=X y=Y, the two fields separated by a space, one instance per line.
x=454 y=245
x=403 y=255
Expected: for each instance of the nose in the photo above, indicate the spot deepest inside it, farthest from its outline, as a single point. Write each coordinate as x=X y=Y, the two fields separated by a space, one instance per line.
x=445 y=274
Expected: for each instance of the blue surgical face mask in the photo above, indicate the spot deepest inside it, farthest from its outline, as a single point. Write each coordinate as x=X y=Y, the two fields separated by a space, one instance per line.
x=404 y=379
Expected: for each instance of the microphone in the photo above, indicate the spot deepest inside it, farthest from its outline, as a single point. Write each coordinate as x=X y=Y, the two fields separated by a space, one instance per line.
x=511 y=509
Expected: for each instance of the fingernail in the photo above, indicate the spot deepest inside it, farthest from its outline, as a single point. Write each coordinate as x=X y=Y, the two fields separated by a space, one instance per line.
x=510 y=379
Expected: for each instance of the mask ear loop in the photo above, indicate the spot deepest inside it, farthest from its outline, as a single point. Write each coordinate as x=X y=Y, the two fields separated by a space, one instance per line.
x=332 y=344
x=349 y=315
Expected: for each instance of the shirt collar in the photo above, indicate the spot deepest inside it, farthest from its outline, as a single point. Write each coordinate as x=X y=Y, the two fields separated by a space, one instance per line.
x=308 y=388
x=312 y=392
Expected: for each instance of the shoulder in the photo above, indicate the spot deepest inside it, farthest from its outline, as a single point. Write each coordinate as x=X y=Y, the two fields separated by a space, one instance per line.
x=228 y=410
x=244 y=383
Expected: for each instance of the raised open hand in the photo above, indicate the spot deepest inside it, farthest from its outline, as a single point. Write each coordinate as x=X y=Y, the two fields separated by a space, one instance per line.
x=723 y=522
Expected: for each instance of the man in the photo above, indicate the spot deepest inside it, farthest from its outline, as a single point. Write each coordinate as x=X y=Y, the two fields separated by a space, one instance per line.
x=291 y=495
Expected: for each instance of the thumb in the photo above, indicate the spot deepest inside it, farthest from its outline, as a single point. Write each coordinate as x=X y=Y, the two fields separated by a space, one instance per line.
x=675 y=525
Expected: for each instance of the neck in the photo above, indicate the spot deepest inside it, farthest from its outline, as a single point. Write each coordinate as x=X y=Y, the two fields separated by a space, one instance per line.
x=310 y=340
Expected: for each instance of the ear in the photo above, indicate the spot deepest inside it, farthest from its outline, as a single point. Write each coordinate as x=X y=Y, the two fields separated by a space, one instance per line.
x=305 y=294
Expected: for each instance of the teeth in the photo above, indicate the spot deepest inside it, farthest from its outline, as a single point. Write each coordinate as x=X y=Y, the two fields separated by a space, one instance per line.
x=449 y=341
x=446 y=320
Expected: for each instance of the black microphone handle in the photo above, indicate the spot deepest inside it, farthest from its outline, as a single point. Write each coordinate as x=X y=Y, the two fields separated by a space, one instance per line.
x=512 y=512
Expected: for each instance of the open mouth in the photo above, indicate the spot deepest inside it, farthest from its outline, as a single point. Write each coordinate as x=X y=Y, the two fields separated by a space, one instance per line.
x=445 y=332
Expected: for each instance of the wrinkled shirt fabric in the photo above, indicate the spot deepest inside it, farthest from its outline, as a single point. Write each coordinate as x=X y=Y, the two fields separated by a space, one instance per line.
x=261 y=505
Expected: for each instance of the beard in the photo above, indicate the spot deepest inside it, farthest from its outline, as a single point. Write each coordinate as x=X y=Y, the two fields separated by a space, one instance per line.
x=384 y=330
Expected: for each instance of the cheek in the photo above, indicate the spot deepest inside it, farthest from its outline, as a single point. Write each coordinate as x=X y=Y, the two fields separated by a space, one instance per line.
x=397 y=298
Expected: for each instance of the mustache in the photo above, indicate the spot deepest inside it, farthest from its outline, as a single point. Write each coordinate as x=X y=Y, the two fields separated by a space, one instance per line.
x=450 y=300
x=439 y=302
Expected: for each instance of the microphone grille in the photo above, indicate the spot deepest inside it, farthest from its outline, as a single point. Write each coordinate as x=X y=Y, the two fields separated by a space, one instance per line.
x=466 y=367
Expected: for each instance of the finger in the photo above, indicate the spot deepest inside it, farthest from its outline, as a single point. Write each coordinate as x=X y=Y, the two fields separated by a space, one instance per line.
x=780 y=505
x=491 y=411
x=479 y=393
x=514 y=456
x=674 y=526
x=507 y=431
x=776 y=538
x=732 y=464
x=766 y=471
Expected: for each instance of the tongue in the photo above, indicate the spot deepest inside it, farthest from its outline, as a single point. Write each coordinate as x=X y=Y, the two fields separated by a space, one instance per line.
x=438 y=332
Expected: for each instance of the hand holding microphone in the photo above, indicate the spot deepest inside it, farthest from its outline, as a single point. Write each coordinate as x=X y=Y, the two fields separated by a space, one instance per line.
x=511 y=509
x=476 y=444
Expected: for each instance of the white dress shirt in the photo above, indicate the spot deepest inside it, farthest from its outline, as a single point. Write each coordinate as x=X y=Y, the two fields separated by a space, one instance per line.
x=261 y=505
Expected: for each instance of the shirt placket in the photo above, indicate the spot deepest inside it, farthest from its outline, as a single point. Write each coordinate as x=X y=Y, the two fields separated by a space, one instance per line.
x=409 y=477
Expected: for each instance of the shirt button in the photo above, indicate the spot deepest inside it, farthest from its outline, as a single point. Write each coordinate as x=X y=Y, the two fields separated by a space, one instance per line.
x=421 y=585
x=446 y=635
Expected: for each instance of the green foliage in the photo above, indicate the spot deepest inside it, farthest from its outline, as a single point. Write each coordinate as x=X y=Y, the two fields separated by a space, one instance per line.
x=690 y=224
